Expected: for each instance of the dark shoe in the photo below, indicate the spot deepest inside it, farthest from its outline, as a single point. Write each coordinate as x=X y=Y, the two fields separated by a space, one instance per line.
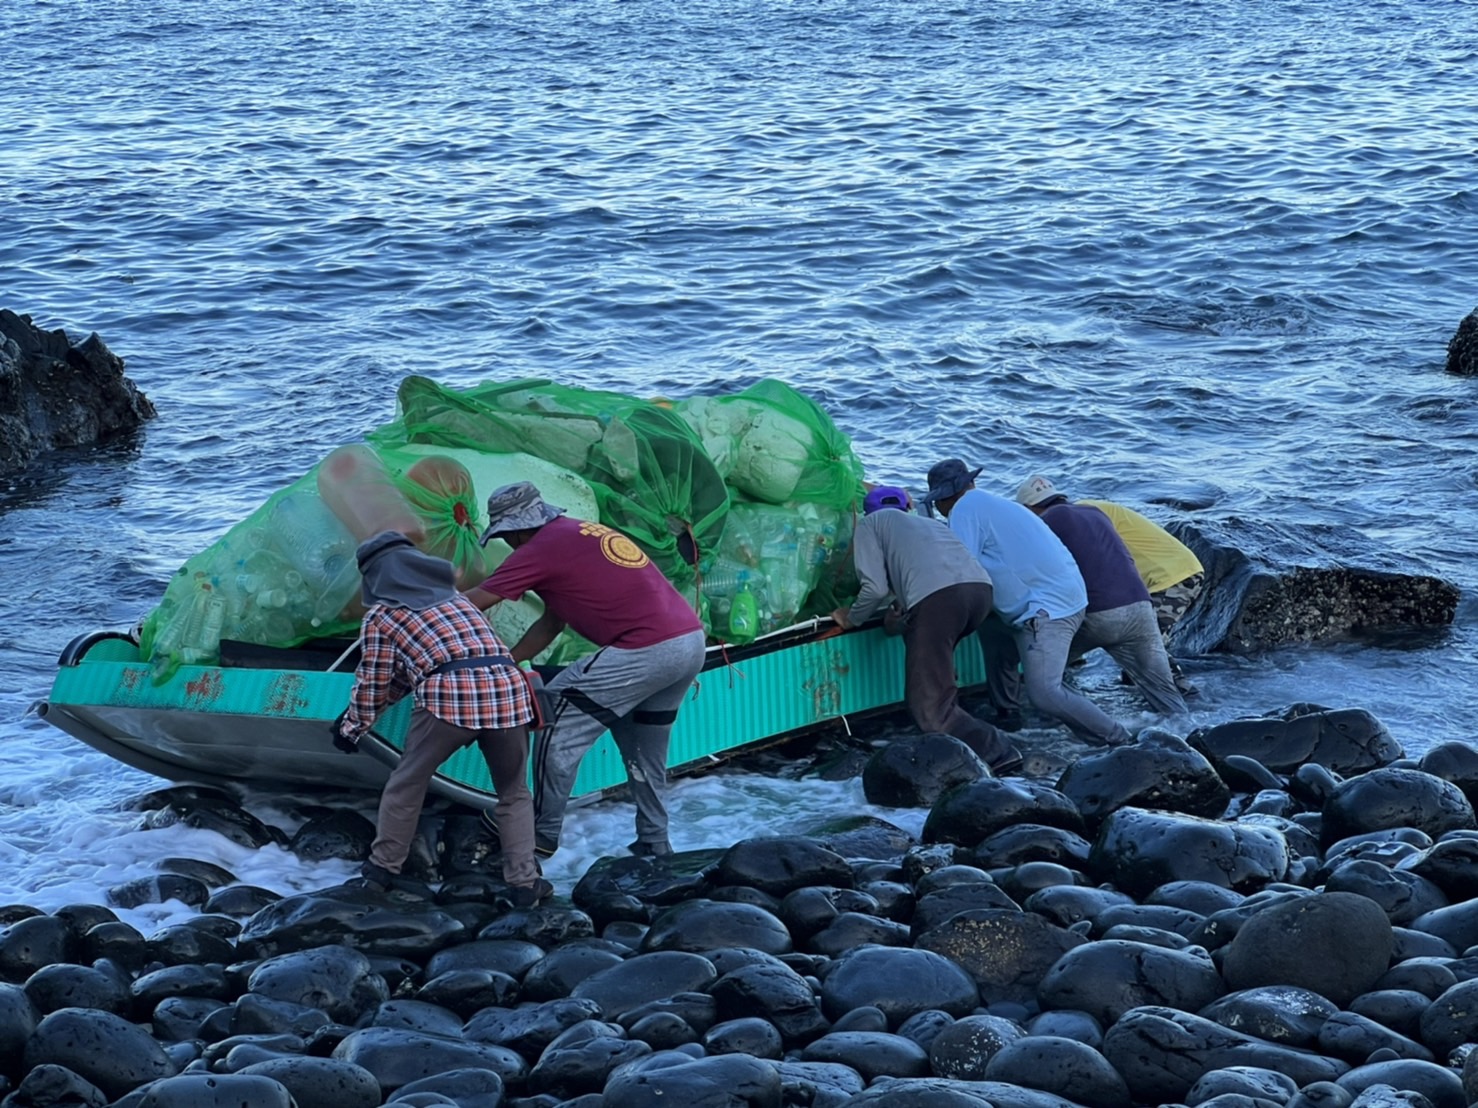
x=529 y=896
x=1009 y=762
x=1010 y=720
x=650 y=850
x=375 y=878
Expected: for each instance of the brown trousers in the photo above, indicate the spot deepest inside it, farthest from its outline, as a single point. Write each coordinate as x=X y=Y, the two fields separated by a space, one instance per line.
x=430 y=742
x=936 y=625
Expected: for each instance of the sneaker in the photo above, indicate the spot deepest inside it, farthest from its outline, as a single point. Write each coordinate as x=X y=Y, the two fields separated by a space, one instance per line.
x=529 y=896
x=375 y=878
x=642 y=849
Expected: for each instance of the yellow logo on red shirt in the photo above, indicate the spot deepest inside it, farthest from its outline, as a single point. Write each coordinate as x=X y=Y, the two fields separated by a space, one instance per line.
x=615 y=546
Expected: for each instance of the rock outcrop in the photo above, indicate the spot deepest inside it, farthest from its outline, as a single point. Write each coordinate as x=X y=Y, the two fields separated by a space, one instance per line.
x=1270 y=585
x=56 y=393
x=1462 y=350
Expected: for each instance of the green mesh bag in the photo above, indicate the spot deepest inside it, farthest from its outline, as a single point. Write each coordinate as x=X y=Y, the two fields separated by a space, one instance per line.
x=648 y=470
x=287 y=573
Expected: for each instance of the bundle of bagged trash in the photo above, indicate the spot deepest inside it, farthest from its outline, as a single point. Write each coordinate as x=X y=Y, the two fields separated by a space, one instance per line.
x=746 y=502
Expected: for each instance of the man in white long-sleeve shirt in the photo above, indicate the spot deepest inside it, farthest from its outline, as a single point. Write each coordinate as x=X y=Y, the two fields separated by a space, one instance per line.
x=941 y=594
x=1039 y=601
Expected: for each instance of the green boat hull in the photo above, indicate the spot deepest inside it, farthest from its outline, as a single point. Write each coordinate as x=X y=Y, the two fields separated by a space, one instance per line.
x=227 y=725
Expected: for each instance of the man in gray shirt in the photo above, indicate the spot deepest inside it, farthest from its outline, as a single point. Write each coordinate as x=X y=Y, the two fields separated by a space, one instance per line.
x=941 y=594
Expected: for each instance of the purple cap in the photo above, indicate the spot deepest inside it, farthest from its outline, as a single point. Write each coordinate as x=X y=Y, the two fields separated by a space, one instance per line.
x=886 y=496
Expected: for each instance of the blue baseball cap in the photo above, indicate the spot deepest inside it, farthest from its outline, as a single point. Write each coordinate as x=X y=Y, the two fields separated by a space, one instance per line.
x=886 y=496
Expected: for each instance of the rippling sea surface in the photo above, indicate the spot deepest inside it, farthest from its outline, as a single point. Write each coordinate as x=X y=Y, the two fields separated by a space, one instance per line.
x=1193 y=251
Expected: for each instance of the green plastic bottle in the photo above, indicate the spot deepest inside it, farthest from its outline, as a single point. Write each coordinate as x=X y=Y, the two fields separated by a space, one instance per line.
x=744 y=616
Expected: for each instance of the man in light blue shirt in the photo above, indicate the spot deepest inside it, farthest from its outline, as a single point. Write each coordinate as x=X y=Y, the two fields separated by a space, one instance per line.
x=1038 y=602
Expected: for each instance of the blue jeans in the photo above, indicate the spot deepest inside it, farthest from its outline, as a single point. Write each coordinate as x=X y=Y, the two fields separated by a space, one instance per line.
x=1040 y=646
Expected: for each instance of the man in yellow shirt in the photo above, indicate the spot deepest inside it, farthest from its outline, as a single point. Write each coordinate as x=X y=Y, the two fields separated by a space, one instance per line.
x=1171 y=572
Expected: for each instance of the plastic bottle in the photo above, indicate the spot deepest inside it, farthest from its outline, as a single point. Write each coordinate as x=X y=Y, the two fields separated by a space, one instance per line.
x=724 y=579
x=744 y=617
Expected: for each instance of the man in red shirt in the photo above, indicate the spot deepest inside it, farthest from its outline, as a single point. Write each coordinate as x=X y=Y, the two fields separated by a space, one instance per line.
x=649 y=648
x=424 y=638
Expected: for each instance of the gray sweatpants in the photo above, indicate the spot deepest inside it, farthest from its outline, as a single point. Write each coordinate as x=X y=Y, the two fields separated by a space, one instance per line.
x=633 y=694
x=1040 y=647
x=1131 y=636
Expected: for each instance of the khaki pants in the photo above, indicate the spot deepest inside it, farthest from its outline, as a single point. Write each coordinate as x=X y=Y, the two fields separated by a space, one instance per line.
x=429 y=743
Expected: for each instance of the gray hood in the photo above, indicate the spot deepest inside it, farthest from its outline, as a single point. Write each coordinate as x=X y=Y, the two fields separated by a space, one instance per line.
x=398 y=575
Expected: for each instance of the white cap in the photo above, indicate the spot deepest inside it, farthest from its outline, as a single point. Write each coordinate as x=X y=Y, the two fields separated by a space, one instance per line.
x=1035 y=489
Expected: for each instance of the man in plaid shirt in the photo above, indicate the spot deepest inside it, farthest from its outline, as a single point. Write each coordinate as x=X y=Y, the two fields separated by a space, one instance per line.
x=423 y=638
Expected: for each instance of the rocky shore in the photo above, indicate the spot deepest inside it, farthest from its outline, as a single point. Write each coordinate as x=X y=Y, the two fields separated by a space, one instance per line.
x=1279 y=911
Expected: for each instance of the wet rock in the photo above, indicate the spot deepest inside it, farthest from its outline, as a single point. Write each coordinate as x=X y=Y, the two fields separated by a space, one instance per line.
x=626 y=888
x=725 y=1081
x=781 y=865
x=101 y=1048
x=416 y=1015
x=1452 y=1018
x=68 y=986
x=117 y=941
x=853 y=929
x=643 y=978
x=818 y=1084
x=183 y=980
x=1395 y=797
x=548 y=925
x=55 y=393
x=1063 y=1067
x=186 y=945
x=1161 y=1053
x=28 y=944
x=899 y=982
x=872 y=1054
x=397 y=1057
x=1066 y=905
x=531 y=1028
x=1440 y=1085
x=1008 y=953
x=1109 y=977
x=1023 y=882
x=340 y=833
x=558 y=972
x=1159 y=771
x=698 y=1010
x=336 y=979
x=668 y=1031
x=1138 y=850
x=1399 y=1009
x=1243 y=1081
x=775 y=993
x=465 y=1088
x=323 y=1082
x=1334 y=944
x=1462 y=348
x=55 y=1087
x=967 y=814
x=1343 y=740
x=699 y=925
x=1355 y=1038
x=1403 y=895
x=575 y=1067
x=401 y=926
x=862 y=837
x=1173 y=922
x=1269 y=585
x=935 y=909
x=1280 y=1014
x=241 y=900
x=1031 y=842
x=217 y=1090
x=806 y=911
x=938 y=1092
x=1429 y=976
x=177 y=1018
x=964 y=1049
x=914 y=771
x=1220 y=928
x=207 y=810
x=260 y=1015
x=753 y=1036
x=514 y=957
x=1451 y=864
x=1201 y=897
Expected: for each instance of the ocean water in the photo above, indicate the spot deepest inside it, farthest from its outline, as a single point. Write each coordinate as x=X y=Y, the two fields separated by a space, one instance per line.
x=1196 y=252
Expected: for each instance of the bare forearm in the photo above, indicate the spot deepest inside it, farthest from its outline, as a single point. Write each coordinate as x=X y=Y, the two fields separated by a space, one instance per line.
x=537 y=638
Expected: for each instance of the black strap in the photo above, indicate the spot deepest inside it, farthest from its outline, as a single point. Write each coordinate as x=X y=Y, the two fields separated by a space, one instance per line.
x=482 y=661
